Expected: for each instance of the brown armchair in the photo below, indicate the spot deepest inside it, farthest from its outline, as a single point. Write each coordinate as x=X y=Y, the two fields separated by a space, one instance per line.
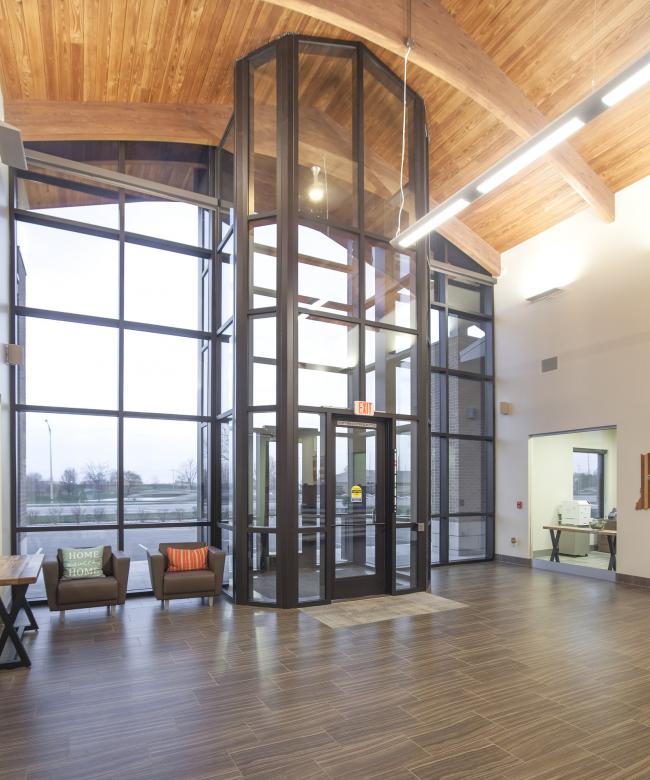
x=107 y=591
x=202 y=583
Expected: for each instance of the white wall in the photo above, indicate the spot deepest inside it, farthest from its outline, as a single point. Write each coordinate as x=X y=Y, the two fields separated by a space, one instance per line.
x=5 y=523
x=600 y=331
x=551 y=477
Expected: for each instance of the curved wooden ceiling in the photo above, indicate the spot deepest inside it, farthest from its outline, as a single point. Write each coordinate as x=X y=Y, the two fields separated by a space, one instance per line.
x=162 y=69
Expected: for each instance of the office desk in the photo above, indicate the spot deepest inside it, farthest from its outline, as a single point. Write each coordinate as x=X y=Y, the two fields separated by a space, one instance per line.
x=17 y=572
x=557 y=529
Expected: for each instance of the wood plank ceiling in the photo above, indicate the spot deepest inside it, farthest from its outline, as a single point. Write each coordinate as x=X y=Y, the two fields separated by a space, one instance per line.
x=141 y=58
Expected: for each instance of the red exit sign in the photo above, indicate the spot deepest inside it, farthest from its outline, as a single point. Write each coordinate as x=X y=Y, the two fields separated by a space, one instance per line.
x=366 y=408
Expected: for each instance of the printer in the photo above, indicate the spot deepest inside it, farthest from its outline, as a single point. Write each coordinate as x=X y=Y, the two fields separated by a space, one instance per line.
x=574 y=512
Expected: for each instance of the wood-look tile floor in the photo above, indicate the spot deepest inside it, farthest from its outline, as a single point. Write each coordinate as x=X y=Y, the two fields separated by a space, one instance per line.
x=543 y=675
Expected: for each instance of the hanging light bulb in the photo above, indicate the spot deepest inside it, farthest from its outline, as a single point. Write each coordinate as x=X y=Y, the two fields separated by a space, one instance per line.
x=316 y=192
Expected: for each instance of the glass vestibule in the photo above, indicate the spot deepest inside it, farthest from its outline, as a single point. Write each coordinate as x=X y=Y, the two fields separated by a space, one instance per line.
x=327 y=313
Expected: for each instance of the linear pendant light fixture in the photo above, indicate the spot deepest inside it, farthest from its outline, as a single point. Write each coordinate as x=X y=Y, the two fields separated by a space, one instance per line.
x=616 y=89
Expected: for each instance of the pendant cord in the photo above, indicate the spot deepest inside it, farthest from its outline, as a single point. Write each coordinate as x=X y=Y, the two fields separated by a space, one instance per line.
x=409 y=46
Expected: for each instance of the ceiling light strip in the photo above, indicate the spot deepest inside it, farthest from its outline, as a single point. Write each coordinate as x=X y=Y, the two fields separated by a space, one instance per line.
x=625 y=83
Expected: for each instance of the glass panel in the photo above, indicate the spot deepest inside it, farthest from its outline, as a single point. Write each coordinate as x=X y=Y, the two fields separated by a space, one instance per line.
x=436 y=452
x=205 y=378
x=227 y=544
x=467 y=476
x=160 y=373
x=467 y=538
x=264 y=360
x=67 y=364
x=161 y=287
x=66 y=271
x=406 y=476
x=160 y=471
x=328 y=271
x=390 y=285
x=405 y=557
x=468 y=344
x=227 y=472
x=383 y=111
x=262 y=482
x=51 y=541
x=227 y=369
x=179 y=165
x=101 y=153
x=435 y=540
x=469 y=412
x=436 y=338
x=438 y=402
x=204 y=472
x=263 y=130
x=327 y=168
x=67 y=469
x=355 y=513
x=328 y=356
x=205 y=320
x=311 y=571
x=139 y=577
x=390 y=371
x=263 y=266
x=227 y=166
x=465 y=296
x=166 y=219
x=80 y=202
x=311 y=471
x=227 y=266
x=588 y=480
x=262 y=566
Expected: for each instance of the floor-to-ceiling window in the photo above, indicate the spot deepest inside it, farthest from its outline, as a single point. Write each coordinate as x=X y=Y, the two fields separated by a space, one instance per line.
x=462 y=410
x=114 y=403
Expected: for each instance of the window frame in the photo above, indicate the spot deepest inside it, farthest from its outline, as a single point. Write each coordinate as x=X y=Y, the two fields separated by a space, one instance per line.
x=601 y=479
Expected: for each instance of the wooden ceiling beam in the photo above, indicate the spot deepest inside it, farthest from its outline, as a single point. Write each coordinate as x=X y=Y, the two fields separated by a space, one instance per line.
x=445 y=50
x=68 y=120
x=53 y=120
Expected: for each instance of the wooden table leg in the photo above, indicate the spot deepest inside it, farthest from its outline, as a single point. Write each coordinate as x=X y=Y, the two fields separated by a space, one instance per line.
x=611 y=543
x=10 y=632
x=555 y=541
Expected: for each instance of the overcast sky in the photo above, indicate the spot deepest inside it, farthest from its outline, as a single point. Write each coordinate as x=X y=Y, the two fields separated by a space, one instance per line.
x=69 y=364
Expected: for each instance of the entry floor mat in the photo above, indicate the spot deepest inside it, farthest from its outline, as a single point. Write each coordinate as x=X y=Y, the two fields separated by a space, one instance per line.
x=357 y=612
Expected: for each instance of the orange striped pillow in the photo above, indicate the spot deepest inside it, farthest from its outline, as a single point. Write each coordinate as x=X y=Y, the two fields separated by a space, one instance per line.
x=183 y=559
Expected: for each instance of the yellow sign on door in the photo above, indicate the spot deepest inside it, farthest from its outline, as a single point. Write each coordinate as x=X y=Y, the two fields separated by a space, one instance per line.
x=356 y=494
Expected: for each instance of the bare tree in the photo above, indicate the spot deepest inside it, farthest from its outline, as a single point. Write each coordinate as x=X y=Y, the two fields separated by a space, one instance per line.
x=186 y=473
x=68 y=482
x=132 y=482
x=96 y=476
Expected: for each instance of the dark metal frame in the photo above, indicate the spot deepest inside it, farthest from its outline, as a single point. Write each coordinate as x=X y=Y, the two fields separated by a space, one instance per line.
x=211 y=337
x=287 y=217
x=441 y=432
x=601 y=481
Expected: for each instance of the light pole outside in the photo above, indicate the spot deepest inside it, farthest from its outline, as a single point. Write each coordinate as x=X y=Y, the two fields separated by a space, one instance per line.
x=49 y=430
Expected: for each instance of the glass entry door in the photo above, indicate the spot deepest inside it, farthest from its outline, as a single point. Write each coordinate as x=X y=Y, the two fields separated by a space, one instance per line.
x=358 y=523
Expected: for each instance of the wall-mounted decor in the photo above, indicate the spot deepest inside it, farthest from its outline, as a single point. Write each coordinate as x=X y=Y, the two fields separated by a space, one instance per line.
x=644 y=500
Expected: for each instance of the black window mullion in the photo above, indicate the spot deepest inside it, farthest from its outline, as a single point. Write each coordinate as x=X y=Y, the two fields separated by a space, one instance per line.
x=120 y=369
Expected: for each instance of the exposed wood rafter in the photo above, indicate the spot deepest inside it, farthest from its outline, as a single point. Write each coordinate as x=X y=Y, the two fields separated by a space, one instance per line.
x=446 y=51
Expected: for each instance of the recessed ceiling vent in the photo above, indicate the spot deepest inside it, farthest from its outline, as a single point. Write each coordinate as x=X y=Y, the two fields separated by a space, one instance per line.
x=549 y=364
